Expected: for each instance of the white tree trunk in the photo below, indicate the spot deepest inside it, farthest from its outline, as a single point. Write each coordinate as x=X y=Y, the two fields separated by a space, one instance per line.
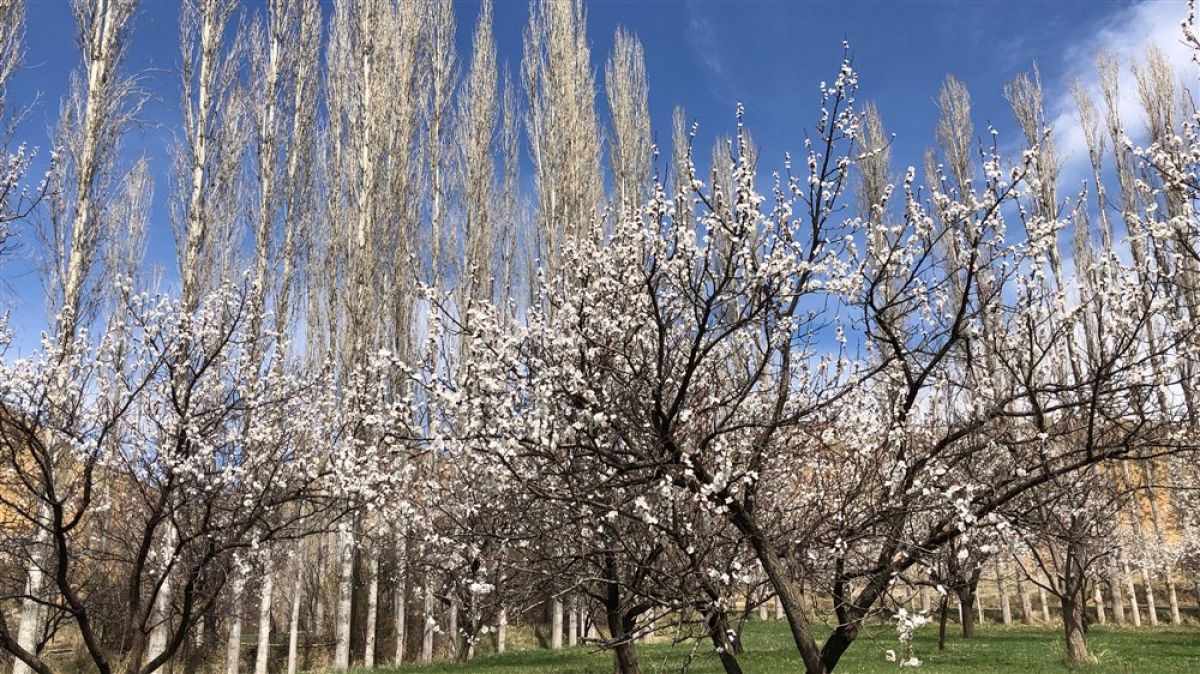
x=401 y=614
x=1131 y=587
x=341 y=652
x=1045 y=605
x=556 y=624
x=502 y=631
x=1156 y=520
x=573 y=623
x=264 y=623
x=452 y=628
x=1117 y=601
x=31 y=611
x=162 y=603
x=1173 y=597
x=1002 y=588
x=1098 y=599
x=372 y=612
x=293 y=660
x=1151 y=604
x=233 y=646
x=1026 y=600
x=430 y=624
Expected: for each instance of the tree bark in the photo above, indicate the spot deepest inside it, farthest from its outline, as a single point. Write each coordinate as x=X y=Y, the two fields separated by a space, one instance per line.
x=718 y=631
x=430 y=623
x=1073 y=627
x=1151 y=603
x=31 y=610
x=1116 y=601
x=573 y=623
x=1002 y=588
x=372 y=611
x=1026 y=600
x=502 y=632
x=1045 y=605
x=966 y=600
x=233 y=647
x=787 y=591
x=293 y=660
x=556 y=624
x=341 y=653
x=263 y=652
x=943 y=610
x=452 y=628
x=1133 y=598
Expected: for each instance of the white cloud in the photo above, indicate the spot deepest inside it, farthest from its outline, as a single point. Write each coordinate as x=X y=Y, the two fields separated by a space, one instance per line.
x=1126 y=34
x=704 y=38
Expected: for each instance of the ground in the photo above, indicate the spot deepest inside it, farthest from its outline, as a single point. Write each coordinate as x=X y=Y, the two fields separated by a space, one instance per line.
x=996 y=650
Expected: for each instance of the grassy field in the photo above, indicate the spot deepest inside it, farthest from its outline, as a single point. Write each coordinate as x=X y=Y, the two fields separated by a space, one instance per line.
x=996 y=650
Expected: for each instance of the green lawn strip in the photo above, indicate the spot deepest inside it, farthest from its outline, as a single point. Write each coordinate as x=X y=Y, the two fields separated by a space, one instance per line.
x=996 y=650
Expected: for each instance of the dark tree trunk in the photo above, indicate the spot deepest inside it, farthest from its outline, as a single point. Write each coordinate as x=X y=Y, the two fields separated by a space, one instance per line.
x=837 y=643
x=625 y=658
x=787 y=590
x=621 y=623
x=718 y=631
x=1073 y=628
x=966 y=599
x=943 y=610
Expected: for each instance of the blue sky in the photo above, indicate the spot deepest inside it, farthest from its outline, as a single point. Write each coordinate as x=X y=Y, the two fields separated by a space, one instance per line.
x=706 y=56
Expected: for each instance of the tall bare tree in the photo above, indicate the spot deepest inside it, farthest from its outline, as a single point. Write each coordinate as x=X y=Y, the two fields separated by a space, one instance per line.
x=478 y=116
x=561 y=125
x=629 y=104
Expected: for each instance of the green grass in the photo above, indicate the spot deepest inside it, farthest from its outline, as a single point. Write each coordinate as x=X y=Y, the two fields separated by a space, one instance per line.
x=995 y=650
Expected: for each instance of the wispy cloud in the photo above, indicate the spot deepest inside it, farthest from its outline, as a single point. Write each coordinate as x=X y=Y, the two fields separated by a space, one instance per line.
x=703 y=37
x=1125 y=34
